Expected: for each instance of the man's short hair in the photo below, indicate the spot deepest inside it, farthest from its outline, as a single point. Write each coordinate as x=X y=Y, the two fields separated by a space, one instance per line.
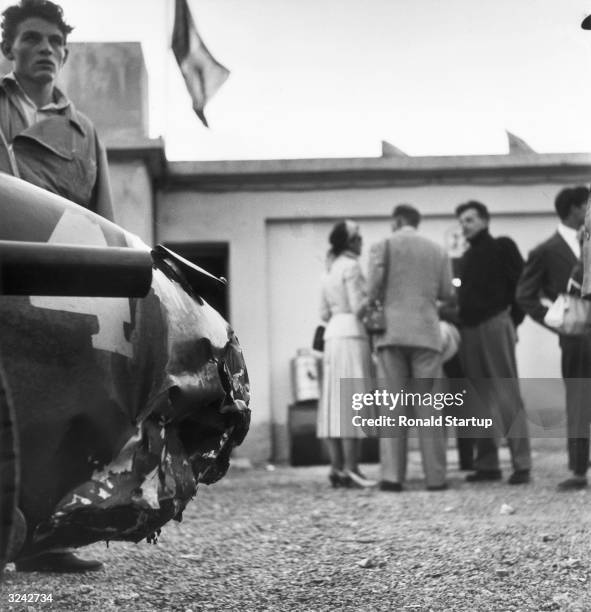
x=409 y=213
x=479 y=207
x=17 y=13
x=568 y=198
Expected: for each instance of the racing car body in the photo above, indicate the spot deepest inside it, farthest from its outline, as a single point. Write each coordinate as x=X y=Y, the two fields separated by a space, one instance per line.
x=122 y=404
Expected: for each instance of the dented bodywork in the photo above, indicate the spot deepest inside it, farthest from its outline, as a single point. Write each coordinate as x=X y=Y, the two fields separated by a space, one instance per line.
x=124 y=405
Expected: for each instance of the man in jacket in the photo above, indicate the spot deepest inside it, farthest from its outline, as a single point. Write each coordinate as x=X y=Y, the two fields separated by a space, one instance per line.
x=545 y=277
x=44 y=139
x=489 y=271
x=47 y=142
x=409 y=274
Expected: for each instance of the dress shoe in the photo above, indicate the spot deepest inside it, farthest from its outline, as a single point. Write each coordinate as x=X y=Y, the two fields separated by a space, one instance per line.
x=441 y=487
x=484 y=475
x=358 y=481
x=388 y=485
x=519 y=477
x=338 y=479
x=62 y=562
x=573 y=484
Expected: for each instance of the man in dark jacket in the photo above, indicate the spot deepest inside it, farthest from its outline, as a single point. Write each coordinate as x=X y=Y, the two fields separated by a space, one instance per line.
x=489 y=271
x=545 y=276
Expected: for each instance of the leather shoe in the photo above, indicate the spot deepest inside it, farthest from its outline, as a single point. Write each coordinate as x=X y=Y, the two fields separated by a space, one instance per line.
x=573 y=484
x=337 y=479
x=483 y=475
x=388 y=485
x=441 y=487
x=519 y=477
x=62 y=562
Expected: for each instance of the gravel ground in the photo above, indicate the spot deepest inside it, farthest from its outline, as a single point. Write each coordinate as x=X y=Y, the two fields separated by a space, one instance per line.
x=281 y=539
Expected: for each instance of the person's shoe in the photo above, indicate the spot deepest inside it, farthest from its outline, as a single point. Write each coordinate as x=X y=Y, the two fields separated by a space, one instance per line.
x=441 y=487
x=358 y=480
x=388 y=485
x=484 y=475
x=62 y=562
x=519 y=477
x=337 y=479
x=573 y=484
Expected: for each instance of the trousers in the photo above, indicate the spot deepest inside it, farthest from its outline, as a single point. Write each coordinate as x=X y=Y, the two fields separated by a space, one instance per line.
x=396 y=365
x=488 y=358
x=576 y=371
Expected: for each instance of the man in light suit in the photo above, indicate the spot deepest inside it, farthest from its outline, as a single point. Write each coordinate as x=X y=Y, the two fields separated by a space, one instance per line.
x=546 y=275
x=409 y=274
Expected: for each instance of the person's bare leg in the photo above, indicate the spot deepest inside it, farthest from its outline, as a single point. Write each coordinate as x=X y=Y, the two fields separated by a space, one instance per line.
x=350 y=454
x=335 y=452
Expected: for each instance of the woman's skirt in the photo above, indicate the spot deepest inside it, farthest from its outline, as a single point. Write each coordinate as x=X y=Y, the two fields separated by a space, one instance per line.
x=344 y=358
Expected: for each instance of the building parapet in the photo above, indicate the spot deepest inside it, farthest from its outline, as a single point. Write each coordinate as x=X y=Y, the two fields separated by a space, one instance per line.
x=376 y=172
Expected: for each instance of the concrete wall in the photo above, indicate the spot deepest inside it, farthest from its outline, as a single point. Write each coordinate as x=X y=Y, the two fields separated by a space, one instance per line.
x=133 y=197
x=109 y=83
x=278 y=245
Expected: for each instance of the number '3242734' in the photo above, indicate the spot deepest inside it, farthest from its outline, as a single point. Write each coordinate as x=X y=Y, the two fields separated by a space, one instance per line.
x=30 y=597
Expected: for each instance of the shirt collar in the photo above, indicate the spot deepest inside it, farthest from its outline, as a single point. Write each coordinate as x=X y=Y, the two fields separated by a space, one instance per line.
x=10 y=83
x=565 y=231
x=570 y=236
x=59 y=102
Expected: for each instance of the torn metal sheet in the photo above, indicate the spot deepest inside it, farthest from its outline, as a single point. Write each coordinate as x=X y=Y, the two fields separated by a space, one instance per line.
x=124 y=405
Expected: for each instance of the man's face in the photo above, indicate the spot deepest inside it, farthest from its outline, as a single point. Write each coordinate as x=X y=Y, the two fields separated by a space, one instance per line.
x=397 y=223
x=38 y=51
x=472 y=223
x=578 y=213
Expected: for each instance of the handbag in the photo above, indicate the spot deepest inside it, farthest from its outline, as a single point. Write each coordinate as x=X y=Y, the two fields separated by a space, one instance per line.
x=569 y=315
x=375 y=317
x=318 y=342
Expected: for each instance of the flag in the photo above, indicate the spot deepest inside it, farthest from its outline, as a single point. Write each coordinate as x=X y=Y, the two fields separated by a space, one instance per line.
x=203 y=74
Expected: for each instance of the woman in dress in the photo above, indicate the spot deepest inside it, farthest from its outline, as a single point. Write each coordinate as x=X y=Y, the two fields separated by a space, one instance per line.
x=346 y=352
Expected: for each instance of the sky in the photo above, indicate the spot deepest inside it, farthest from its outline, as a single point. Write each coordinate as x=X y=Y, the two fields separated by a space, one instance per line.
x=333 y=78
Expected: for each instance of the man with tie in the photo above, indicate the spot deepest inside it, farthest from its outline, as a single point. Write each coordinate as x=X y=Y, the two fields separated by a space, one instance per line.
x=545 y=276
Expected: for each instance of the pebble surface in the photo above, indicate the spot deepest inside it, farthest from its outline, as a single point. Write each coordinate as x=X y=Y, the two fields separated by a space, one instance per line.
x=282 y=539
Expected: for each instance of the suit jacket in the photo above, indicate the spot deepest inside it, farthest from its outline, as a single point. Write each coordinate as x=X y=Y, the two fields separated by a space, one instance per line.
x=416 y=274
x=545 y=275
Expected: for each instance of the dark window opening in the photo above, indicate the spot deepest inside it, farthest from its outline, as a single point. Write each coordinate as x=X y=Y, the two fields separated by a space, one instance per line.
x=213 y=257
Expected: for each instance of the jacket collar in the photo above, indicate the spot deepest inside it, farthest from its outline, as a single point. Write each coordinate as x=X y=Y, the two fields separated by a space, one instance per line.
x=562 y=248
